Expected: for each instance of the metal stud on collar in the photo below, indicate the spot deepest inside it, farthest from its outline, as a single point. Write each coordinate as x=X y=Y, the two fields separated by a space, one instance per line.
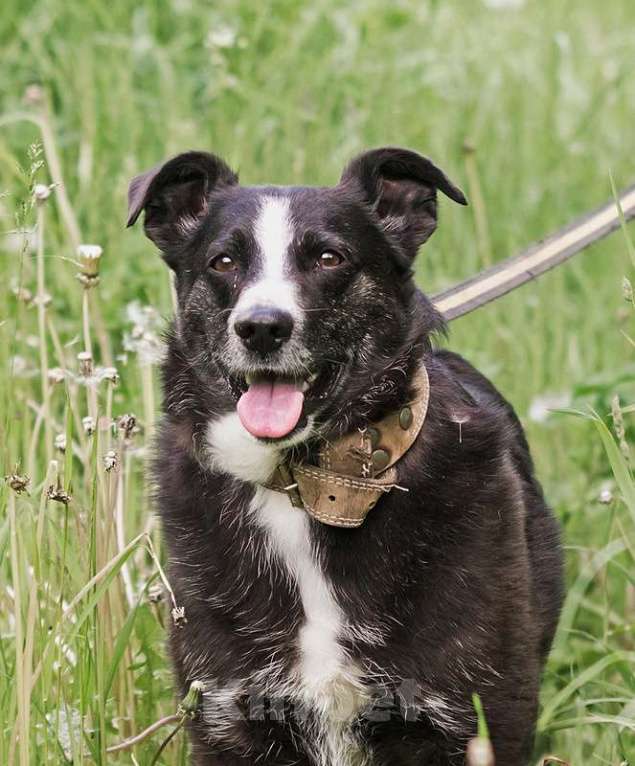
x=405 y=418
x=380 y=459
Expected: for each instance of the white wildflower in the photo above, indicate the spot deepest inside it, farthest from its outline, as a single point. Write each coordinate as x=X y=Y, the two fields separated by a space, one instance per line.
x=181 y=6
x=606 y=495
x=18 y=365
x=70 y=655
x=58 y=494
x=110 y=460
x=69 y=729
x=502 y=4
x=88 y=424
x=144 y=337
x=56 y=375
x=45 y=299
x=479 y=752
x=89 y=257
x=108 y=373
x=178 y=616
x=85 y=362
x=18 y=482
x=41 y=192
x=222 y=36
x=542 y=406
x=91 y=377
x=90 y=252
x=128 y=424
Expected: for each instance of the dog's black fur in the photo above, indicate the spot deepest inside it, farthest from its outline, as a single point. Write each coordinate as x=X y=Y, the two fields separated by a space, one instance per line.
x=461 y=575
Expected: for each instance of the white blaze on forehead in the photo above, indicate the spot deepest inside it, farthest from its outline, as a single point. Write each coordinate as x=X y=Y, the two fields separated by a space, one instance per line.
x=273 y=232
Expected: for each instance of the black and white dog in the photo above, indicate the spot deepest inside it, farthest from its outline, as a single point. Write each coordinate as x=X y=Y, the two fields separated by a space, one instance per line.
x=298 y=322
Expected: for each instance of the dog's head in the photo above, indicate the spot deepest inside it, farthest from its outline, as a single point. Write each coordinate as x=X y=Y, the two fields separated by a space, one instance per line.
x=295 y=295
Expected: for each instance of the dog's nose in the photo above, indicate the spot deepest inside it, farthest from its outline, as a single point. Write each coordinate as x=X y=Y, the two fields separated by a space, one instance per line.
x=264 y=330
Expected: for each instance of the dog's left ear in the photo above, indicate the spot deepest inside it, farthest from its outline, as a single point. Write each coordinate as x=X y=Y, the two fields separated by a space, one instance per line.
x=401 y=186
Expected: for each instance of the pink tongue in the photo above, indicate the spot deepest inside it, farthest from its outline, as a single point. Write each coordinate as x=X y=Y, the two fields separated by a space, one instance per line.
x=270 y=409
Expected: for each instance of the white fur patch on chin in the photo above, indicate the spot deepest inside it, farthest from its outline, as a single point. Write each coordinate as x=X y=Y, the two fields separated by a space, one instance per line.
x=233 y=450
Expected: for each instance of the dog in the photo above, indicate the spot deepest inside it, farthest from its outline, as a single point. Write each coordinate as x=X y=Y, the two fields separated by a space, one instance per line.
x=354 y=531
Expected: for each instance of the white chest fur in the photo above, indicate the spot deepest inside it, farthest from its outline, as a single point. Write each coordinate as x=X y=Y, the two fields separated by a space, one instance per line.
x=288 y=532
x=325 y=678
x=289 y=540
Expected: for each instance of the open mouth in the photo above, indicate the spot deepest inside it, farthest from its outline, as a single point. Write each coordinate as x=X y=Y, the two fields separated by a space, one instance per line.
x=272 y=405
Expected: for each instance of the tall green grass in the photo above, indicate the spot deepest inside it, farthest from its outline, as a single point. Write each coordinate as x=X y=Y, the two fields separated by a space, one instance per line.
x=529 y=106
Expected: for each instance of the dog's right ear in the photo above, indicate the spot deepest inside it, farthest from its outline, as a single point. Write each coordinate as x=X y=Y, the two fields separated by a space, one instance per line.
x=175 y=194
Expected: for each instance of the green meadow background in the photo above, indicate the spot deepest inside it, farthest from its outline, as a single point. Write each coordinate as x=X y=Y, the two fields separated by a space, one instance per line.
x=529 y=105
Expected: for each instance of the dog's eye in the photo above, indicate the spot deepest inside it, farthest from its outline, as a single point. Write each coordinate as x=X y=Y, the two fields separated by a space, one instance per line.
x=223 y=263
x=330 y=260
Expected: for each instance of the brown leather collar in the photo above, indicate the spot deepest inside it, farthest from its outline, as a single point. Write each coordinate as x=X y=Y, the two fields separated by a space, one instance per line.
x=356 y=470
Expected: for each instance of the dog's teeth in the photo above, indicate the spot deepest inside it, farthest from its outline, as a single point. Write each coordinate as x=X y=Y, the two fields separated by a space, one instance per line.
x=305 y=386
x=312 y=378
x=249 y=379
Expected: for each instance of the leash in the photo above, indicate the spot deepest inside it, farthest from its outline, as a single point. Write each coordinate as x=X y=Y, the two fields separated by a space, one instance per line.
x=513 y=272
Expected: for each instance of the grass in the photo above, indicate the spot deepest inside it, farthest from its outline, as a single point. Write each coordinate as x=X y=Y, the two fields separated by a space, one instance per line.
x=529 y=106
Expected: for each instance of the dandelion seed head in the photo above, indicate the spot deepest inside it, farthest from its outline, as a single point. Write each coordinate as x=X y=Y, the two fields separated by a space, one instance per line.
x=480 y=752
x=606 y=496
x=128 y=424
x=178 y=616
x=58 y=494
x=222 y=36
x=22 y=240
x=144 y=337
x=41 y=192
x=56 y=375
x=110 y=461
x=19 y=366
x=18 y=482
x=109 y=374
x=85 y=362
x=88 y=424
x=541 y=406
x=502 y=4
x=69 y=728
x=156 y=594
x=44 y=299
